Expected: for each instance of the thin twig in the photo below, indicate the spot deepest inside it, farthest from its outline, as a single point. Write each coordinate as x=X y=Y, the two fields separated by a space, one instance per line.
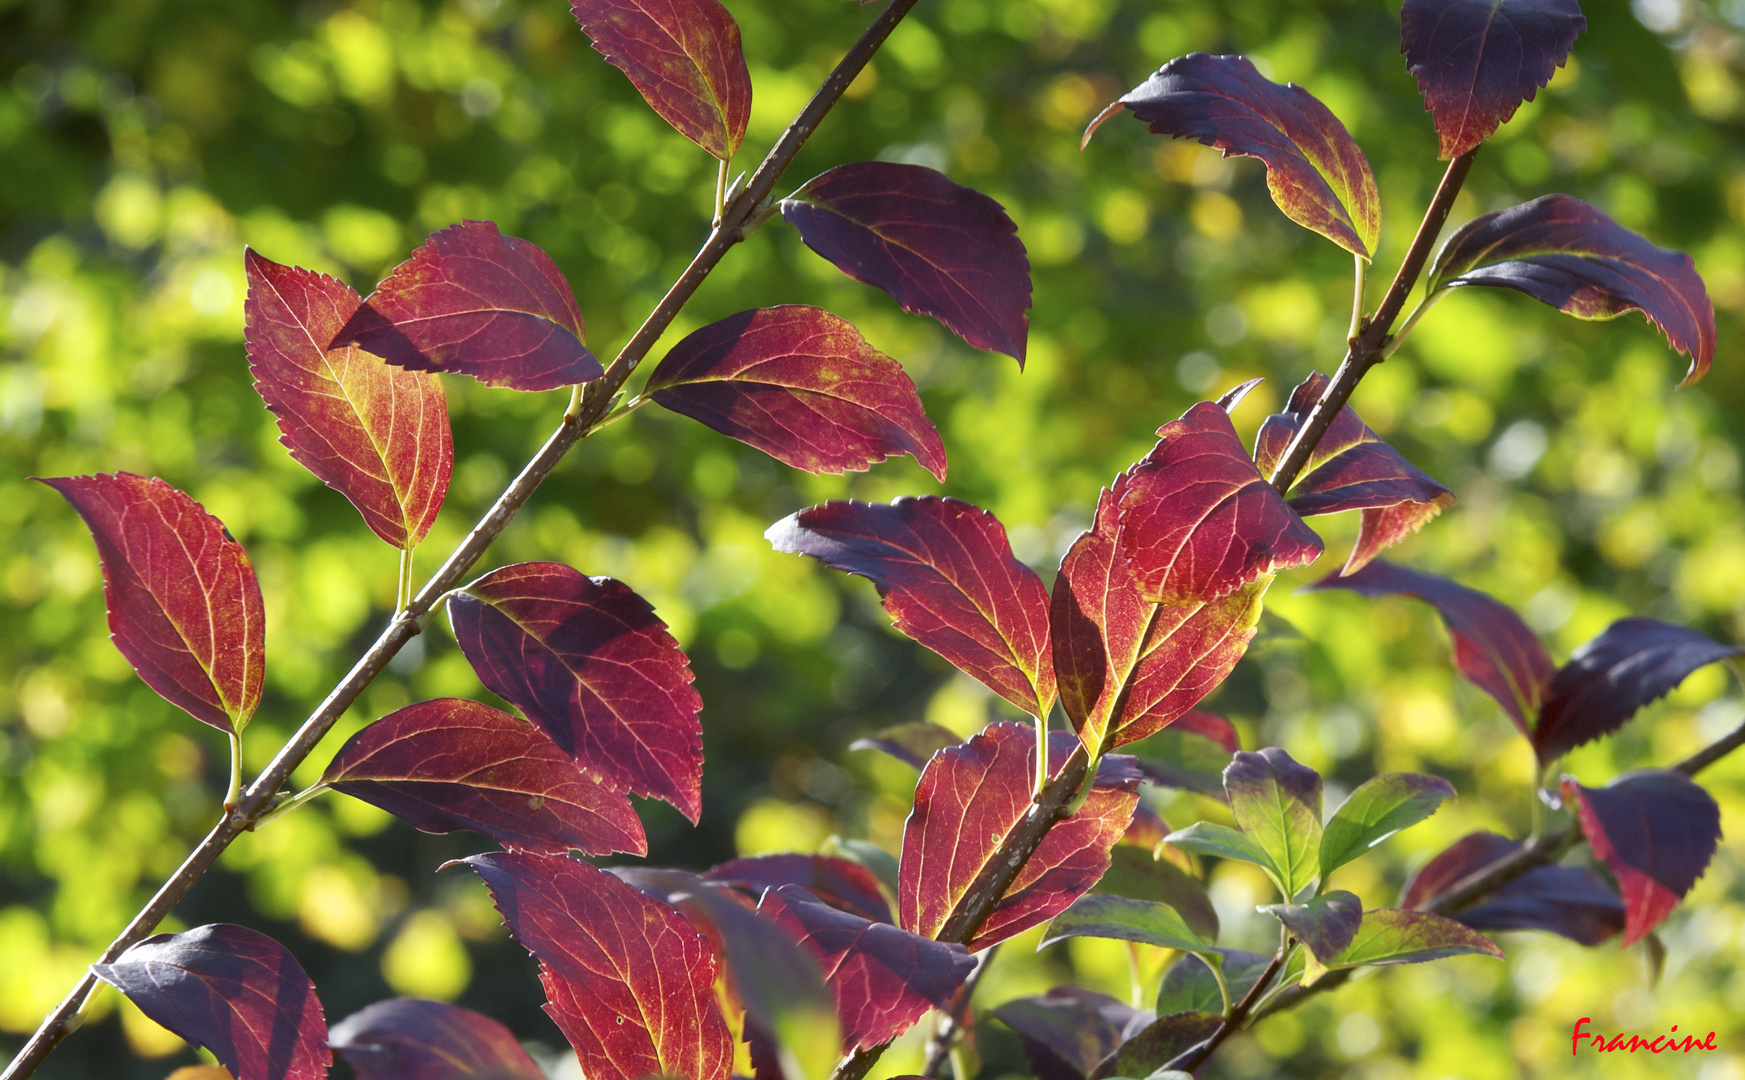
x=956 y=1015
x=1195 y=1056
x=578 y=421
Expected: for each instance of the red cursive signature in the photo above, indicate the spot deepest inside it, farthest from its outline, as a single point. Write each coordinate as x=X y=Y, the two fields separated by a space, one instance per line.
x=1633 y=1043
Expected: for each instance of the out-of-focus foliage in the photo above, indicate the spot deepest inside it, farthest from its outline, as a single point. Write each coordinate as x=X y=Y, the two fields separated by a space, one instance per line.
x=143 y=142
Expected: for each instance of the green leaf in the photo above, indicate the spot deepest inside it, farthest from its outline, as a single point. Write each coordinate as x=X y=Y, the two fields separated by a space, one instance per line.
x=1375 y=811
x=1209 y=838
x=1394 y=936
x=1190 y=985
x=1134 y=872
x=1325 y=926
x=1153 y=1047
x=1122 y=917
x=1277 y=803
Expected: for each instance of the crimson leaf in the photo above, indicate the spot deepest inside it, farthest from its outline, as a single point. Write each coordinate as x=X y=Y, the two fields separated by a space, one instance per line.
x=1198 y=521
x=1351 y=468
x=801 y=385
x=417 y=1039
x=1631 y=663
x=912 y=742
x=1656 y=830
x=1314 y=169
x=949 y=580
x=970 y=798
x=1477 y=60
x=1565 y=253
x=837 y=882
x=456 y=764
x=937 y=247
x=479 y=303
x=184 y=604
x=1569 y=900
x=587 y=660
x=232 y=990
x=1492 y=646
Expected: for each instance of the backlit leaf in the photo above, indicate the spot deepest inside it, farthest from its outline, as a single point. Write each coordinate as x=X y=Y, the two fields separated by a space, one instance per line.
x=949 y=580
x=1101 y=915
x=1157 y=1044
x=1211 y=838
x=1198 y=521
x=912 y=743
x=232 y=990
x=587 y=660
x=684 y=57
x=456 y=764
x=1656 y=830
x=970 y=798
x=1277 y=803
x=184 y=605
x=1190 y=986
x=608 y=952
x=1351 y=468
x=937 y=247
x=1565 y=253
x=418 y=1039
x=1137 y=873
x=1069 y=1030
x=476 y=302
x=1325 y=925
x=1631 y=663
x=1314 y=169
x=801 y=385
x=1394 y=936
x=837 y=882
x=1569 y=900
x=1477 y=60
x=1492 y=646
x=1380 y=807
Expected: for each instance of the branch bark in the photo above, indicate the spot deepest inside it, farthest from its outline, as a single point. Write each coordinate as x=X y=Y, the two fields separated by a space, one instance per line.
x=596 y=399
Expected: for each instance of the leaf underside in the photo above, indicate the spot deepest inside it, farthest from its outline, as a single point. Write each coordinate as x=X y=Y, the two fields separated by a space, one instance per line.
x=1656 y=830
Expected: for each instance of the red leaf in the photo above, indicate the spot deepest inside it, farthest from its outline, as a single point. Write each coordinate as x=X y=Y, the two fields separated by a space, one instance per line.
x=1477 y=60
x=184 y=605
x=607 y=952
x=969 y=800
x=1314 y=169
x=1656 y=830
x=1492 y=646
x=949 y=580
x=1351 y=469
x=456 y=764
x=1117 y=684
x=232 y=990
x=837 y=882
x=478 y=303
x=1215 y=728
x=801 y=385
x=882 y=978
x=587 y=660
x=417 y=1039
x=1197 y=519
x=375 y=433
x=937 y=247
x=1567 y=900
x=1566 y=253
x=684 y=57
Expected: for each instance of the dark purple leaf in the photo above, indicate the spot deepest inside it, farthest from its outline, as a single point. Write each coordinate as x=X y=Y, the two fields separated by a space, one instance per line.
x=1198 y=521
x=937 y=247
x=1380 y=807
x=1068 y=1031
x=1393 y=936
x=949 y=580
x=912 y=743
x=1277 y=803
x=1566 y=253
x=882 y=978
x=1492 y=646
x=1314 y=169
x=1477 y=60
x=1569 y=900
x=1157 y=1044
x=1138 y=873
x=1325 y=924
x=587 y=660
x=232 y=990
x=456 y=764
x=1656 y=830
x=801 y=385
x=1633 y=662
x=837 y=882
x=478 y=303
x=417 y=1039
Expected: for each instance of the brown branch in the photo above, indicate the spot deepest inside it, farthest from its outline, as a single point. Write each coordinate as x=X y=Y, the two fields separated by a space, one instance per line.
x=742 y=212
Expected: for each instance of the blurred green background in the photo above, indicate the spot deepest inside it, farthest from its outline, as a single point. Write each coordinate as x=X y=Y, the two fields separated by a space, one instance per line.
x=144 y=142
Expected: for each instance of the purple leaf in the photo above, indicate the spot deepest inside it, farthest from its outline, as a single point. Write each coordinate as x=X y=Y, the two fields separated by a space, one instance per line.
x=1492 y=646
x=478 y=303
x=949 y=580
x=913 y=743
x=1198 y=521
x=1565 y=253
x=1656 y=830
x=1477 y=60
x=1351 y=468
x=456 y=764
x=684 y=57
x=882 y=978
x=1325 y=924
x=587 y=660
x=1569 y=900
x=1314 y=169
x=1277 y=803
x=1633 y=662
x=837 y=882
x=417 y=1039
x=1068 y=1031
x=937 y=247
x=232 y=990
x=1160 y=1042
